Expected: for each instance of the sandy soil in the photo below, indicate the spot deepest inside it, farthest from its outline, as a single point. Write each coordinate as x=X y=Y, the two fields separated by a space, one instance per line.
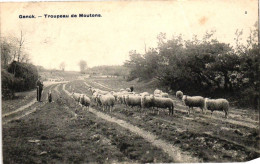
x=64 y=132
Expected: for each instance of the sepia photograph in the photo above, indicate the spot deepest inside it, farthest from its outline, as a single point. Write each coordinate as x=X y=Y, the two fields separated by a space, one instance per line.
x=140 y=81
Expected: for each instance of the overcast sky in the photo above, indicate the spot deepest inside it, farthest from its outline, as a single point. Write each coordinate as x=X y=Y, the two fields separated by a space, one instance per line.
x=124 y=26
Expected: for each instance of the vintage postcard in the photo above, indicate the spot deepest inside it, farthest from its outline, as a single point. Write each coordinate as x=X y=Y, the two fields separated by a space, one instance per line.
x=172 y=81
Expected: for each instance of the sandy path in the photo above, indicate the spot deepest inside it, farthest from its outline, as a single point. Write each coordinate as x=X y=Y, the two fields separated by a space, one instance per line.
x=174 y=152
x=214 y=136
x=19 y=117
x=27 y=106
x=30 y=103
x=56 y=88
x=48 y=92
x=251 y=124
x=101 y=85
x=21 y=108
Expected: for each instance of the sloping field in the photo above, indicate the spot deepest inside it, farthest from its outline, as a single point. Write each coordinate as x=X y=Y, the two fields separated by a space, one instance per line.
x=64 y=132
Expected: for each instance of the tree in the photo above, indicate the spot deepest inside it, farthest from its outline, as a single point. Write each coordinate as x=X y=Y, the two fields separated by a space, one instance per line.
x=62 y=66
x=12 y=49
x=25 y=58
x=21 y=41
x=82 y=66
x=136 y=64
x=5 y=53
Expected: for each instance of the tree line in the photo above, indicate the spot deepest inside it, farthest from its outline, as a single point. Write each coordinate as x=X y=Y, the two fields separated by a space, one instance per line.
x=204 y=66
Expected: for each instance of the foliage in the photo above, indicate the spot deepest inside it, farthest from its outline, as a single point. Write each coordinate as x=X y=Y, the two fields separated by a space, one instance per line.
x=25 y=74
x=5 y=53
x=62 y=66
x=201 y=67
x=12 y=49
x=7 y=84
x=83 y=66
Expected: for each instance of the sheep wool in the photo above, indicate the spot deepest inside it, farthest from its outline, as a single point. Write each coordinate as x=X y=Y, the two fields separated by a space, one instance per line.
x=107 y=101
x=85 y=100
x=194 y=101
x=161 y=102
x=217 y=104
x=163 y=94
x=144 y=94
x=76 y=96
x=157 y=91
x=179 y=94
x=133 y=100
x=146 y=101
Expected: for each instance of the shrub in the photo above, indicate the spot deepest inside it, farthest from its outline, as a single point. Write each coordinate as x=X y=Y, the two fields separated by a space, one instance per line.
x=248 y=98
x=7 y=84
x=26 y=75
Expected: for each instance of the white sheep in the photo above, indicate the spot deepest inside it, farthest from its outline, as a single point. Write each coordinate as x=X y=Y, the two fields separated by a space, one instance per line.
x=128 y=89
x=102 y=92
x=161 y=102
x=76 y=96
x=144 y=94
x=92 y=90
x=164 y=94
x=115 y=94
x=119 y=98
x=194 y=101
x=85 y=100
x=133 y=100
x=94 y=97
x=157 y=95
x=107 y=101
x=217 y=104
x=157 y=91
x=179 y=95
x=147 y=101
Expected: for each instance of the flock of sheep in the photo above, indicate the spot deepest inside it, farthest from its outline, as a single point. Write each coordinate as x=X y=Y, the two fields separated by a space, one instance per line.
x=158 y=99
x=204 y=103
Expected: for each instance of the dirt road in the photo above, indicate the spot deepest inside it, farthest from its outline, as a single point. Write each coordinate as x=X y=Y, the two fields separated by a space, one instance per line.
x=64 y=132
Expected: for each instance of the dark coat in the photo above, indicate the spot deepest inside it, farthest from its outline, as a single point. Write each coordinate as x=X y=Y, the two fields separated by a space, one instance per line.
x=39 y=84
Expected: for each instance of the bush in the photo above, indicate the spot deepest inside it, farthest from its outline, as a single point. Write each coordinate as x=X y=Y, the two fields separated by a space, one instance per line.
x=248 y=98
x=7 y=84
x=25 y=75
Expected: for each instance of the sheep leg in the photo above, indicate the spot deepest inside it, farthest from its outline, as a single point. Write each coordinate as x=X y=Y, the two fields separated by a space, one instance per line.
x=205 y=111
x=172 y=111
x=226 y=114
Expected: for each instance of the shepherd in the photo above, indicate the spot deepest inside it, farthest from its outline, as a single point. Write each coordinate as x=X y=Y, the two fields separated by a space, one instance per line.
x=39 y=89
x=132 y=88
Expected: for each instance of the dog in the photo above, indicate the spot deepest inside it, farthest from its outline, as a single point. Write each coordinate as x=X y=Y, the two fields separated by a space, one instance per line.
x=49 y=97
